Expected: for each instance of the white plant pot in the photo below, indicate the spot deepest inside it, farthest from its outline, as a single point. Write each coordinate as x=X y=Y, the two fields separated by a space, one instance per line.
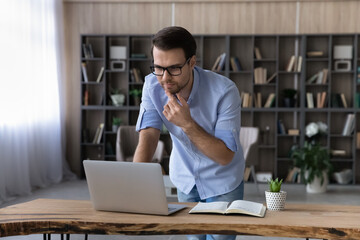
x=118 y=99
x=275 y=201
x=115 y=128
x=316 y=186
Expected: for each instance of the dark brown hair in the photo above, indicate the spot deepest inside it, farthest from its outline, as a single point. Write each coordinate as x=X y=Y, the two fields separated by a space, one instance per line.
x=174 y=37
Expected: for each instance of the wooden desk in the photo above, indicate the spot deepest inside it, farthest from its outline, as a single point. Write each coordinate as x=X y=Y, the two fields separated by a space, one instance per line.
x=73 y=216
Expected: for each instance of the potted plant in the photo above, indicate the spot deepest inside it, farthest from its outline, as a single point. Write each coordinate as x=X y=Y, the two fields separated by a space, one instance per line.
x=289 y=97
x=116 y=121
x=136 y=94
x=117 y=97
x=275 y=198
x=315 y=166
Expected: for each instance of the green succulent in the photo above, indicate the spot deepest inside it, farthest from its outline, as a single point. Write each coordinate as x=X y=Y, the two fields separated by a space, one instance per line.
x=116 y=121
x=135 y=92
x=275 y=185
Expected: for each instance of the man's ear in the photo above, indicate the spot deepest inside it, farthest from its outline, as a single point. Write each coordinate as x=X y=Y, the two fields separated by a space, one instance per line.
x=193 y=61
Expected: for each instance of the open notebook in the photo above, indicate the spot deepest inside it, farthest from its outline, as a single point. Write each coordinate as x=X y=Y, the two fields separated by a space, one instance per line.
x=128 y=187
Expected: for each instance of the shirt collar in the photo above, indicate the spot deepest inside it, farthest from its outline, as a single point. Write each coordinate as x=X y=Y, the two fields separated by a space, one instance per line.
x=195 y=85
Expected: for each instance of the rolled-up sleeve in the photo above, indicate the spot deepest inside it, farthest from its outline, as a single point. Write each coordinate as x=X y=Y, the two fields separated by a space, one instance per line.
x=229 y=120
x=148 y=115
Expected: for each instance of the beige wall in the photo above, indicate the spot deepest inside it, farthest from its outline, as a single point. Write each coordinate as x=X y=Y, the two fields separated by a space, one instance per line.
x=199 y=17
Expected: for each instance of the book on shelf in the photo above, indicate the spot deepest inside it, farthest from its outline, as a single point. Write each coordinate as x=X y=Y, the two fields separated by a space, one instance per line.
x=247 y=173
x=257 y=53
x=325 y=76
x=315 y=53
x=299 y=64
x=281 y=127
x=138 y=55
x=338 y=152
x=292 y=175
x=84 y=72
x=323 y=99
x=270 y=100
x=246 y=99
x=98 y=134
x=87 y=50
x=309 y=100
x=291 y=63
x=294 y=64
x=338 y=101
x=312 y=78
x=219 y=63
x=349 y=124
x=272 y=77
x=343 y=100
x=235 y=207
x=319 y=77
x=235 y=64
x=294 y=132
x=318 y=100
x=86 y=98
x=358 y=140
x=258 y=101
x=260 y=75
x=357 y=100
x=136 y=75
x=100 y=74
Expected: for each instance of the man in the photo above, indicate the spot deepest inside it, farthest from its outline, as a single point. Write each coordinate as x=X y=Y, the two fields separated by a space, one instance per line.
x=201 y=110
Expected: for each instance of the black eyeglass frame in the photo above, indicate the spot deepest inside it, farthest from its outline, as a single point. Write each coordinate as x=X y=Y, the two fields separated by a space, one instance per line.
x=152 y=68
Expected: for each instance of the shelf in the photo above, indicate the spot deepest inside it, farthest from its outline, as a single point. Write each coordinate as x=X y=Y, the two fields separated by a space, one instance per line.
x=276 y=52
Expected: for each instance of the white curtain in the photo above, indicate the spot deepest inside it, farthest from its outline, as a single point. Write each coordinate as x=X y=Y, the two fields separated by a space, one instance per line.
x=31 y=117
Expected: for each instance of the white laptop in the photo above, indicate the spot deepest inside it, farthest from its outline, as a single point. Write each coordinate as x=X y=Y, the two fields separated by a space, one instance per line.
x=128 y=187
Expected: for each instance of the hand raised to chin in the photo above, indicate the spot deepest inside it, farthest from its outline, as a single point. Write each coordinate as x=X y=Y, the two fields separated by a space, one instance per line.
x=177 y=113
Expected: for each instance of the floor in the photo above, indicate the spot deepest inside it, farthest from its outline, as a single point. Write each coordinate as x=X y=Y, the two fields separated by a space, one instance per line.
x=77 y=189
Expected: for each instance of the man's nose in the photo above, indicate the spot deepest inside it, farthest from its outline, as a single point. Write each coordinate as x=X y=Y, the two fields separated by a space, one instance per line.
x=166 y=75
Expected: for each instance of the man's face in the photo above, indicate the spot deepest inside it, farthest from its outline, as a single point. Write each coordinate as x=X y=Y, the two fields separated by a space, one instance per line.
x=174 y=58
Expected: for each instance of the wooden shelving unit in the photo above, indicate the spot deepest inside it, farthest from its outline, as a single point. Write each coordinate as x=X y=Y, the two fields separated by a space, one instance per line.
x=276 y=52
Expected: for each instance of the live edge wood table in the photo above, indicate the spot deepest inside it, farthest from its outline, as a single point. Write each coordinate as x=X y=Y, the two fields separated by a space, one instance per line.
x=54 y=216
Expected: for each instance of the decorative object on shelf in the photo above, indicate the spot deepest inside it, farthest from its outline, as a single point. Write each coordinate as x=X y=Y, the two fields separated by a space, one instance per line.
x=275 y=198
x=315 y=130
x=315 y=166
x=344 y=177
x=342 y=57
x=117 y=97
x=263 y=176
x=136 y=94
x=289 y=97
x=117 y=56
x=116 y=122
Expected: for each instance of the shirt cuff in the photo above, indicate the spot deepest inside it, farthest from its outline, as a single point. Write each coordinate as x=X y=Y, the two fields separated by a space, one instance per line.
x=231 y=138
x=148 y=118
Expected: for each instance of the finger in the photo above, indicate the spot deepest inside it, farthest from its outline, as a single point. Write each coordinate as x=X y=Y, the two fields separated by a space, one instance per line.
x=181 y=99
x=169 y=95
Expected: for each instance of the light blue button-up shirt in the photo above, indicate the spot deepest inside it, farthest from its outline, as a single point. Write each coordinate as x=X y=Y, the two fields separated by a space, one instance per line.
x=214 y=104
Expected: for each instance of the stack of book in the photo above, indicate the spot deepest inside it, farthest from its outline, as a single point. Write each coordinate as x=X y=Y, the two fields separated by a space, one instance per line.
x=319 y=77
x=260 y=76
x=294 y=64
x=219 y=63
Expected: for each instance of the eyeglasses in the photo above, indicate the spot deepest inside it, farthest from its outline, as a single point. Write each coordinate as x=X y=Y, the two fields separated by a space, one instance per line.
x=172 y=70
